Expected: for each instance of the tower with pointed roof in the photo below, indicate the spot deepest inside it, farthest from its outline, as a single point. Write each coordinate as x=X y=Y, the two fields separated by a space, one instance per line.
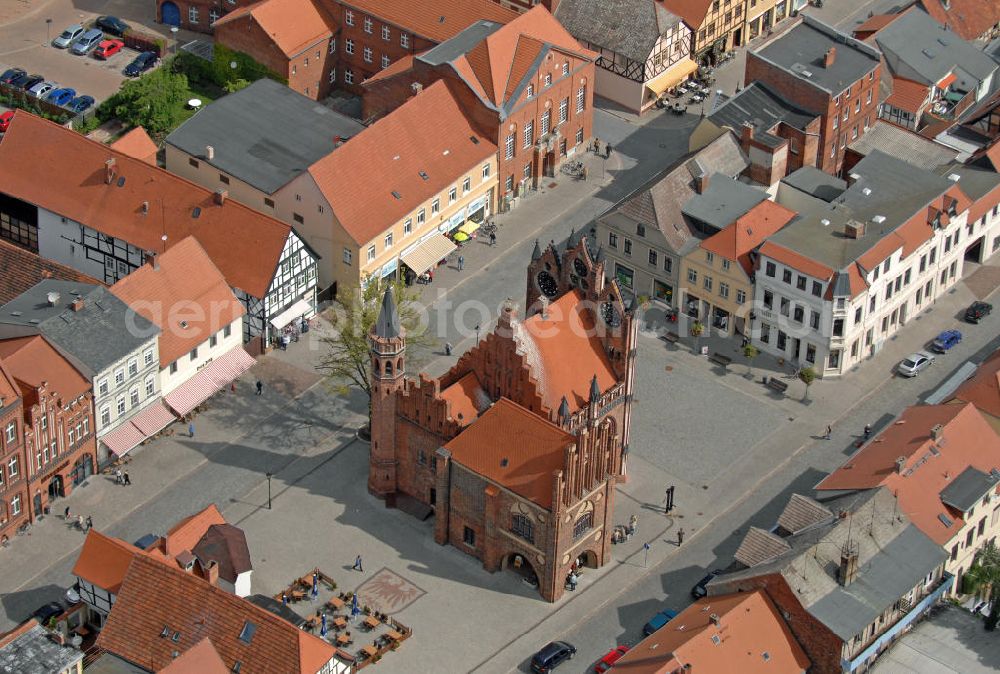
x=388 y=369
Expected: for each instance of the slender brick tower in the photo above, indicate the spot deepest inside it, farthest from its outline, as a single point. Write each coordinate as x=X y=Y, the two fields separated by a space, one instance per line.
x=388 y=353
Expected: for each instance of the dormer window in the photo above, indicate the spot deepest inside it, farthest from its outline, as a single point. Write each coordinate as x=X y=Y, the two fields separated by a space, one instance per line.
x=246 y=634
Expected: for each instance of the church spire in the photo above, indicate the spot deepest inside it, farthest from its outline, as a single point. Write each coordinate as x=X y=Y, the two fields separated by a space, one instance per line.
x=387 y=325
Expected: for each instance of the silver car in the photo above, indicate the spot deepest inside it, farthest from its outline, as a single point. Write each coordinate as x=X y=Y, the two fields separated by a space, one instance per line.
x=87 y=42
x=42 y=89
x=915 y=363
x=68 y=36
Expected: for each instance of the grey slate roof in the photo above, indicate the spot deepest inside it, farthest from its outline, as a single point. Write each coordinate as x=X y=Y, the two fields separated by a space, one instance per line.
x=723 y=202
x=905 y=145
x=974 y=181
x=918 y=48
x=104 y=331
x=817 y=183
x=264 y=135
x=629 y=27
x=801 y=49
x=764 y=109
x=35 y=653
x=802 y=512
x=387 y=325
x=461 y=43
x=893 y=557
x=967 y=489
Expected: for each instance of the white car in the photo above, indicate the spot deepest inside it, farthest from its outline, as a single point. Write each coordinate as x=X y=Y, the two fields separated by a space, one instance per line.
x=41 y=89
x=915 y=363
x=68 y=36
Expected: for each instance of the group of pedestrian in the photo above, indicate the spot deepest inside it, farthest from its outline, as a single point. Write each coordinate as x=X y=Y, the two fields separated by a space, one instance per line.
x=121 y=477
x=867 y=433
x=82 y=523
x=597 y=148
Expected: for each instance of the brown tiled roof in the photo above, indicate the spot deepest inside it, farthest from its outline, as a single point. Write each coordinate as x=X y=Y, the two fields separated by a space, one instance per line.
x=736 y=241
x=760 y=546
x=983 y=388
x=428 y=134
x=908 y=95
x=514 y=448
x=137 y=143
x=32 y=360
x=802 y=512
x=184 y=294
x=795 y=260
x=750 y=637
x=104 y=560
x=156 y=597
x=969 y=18
x=202 y=658
x=436 y=20
x=692 y=11
x=8 y=387
x=467 y=399
x=225 y=545
x=185 y=534
x=58 y=169
x=293 y=25
x=21 y=269
x=875 y=23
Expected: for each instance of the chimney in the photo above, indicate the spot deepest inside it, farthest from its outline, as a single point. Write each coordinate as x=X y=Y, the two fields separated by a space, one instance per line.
x=937 y=430
x=900 y=464
x=212 y=573
x=417 y=88
x=220 y=196
x=209 y=152
x=829 y=57
x=701 y=183
x=746 y=134
x=854 y=229
x=110 y=168
x=77 y=304
x=53 y=298
x=151 y=259
x=848 y=563
x=714 y=618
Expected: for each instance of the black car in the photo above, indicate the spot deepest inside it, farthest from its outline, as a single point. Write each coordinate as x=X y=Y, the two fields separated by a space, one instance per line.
x=26 y=81
x=48 y=611
x=551 y=656
x=11 y=74
x=141 y=64
x=112 y=25
x=700 y=589
x=978 y=311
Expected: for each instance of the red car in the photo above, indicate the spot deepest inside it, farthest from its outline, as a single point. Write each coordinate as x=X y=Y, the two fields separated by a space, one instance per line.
x=5 y=120
x=108 y=48
x=608 y=661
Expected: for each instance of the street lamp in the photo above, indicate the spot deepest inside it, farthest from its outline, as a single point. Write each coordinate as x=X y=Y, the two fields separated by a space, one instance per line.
x=48 y=31
x=268 y=491
x=173 y=33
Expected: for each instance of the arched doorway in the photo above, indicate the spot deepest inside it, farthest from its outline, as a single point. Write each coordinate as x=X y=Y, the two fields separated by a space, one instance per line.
x=56 y=487
x=587 y=559
x=520 y=565
x=170 y=14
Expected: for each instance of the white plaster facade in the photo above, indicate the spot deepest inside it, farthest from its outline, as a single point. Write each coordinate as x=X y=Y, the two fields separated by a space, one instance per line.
x=187 y=365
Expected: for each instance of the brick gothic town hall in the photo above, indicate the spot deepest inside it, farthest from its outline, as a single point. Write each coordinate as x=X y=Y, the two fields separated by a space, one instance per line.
x=517 y=448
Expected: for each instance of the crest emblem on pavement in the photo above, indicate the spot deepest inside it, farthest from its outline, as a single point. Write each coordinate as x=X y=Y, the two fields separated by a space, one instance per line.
x=388 y=592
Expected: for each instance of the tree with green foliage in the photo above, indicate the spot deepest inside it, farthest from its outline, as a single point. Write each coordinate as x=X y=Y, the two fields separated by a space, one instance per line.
x=984 y=577
x=153 y=101
x=807 y=375
x=235 y=85
x=696 y=329
x=750 y=352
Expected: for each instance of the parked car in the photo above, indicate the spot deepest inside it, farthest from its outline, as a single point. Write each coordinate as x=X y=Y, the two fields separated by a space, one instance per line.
x=68 y=36
x=86 y=42
x=80 y=104
x=701 y=587
x=610 y=658
x=61 y=96
x=946 y=340
x=48 y=611
x=108 y=48
x=551 y=656
x=978 y=311
x=112 y=24
x=659 y=620
x=11 y=74
x=141 y=64
x=26 y=81
x=42 y=89
x=5 y=120
x=915 y=363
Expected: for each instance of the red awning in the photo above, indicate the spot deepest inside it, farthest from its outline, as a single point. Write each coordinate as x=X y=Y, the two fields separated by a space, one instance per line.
x=123 y=439
x=946 y=80
x=152 y=419
x=210 y=379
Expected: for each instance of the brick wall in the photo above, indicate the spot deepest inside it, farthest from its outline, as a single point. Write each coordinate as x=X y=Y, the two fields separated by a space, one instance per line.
x=17 y=485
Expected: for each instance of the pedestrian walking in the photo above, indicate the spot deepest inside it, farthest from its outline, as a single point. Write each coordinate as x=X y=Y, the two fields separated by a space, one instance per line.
x=826 y=436
x=357 y=564
x=66 y=514
x=868 y=431
x=680 y=537
x=90 y=523
x=260 y=387
x=191 y=429
x=597 y=145
x=118 y=475
x=493 y=238
x=79 y=523
x=461 y=262
x=607 y=151
x=128 y=481
x=447 y=348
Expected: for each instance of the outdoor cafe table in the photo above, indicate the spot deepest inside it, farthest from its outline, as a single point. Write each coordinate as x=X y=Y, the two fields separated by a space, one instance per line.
x=370 y=650
x=371 y=623
x=339 y=623
x=394 y=635
x=343 y=639
x=336 y=603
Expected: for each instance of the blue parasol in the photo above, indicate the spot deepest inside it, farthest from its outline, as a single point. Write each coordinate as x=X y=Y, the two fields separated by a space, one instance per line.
x=284 y=599
x=322 y=629
x=354 y=606
x=315 y=590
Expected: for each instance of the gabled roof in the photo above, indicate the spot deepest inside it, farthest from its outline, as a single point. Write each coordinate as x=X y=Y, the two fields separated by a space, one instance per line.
x=759 y=546
x=156 y=598
x=926 y=468
x=736 y=241
x=21 y=269
x=137 y=143
x=904 y=144
x=467 y=399
x=909 y=95
x=184 y=294
x=186 y=533
x=875 y=23
x=436 y=20
x=515 y=448
x=104 y=561
x=60 y=170
x=225 y=545
x=32 y=361
x=983 y=388
x=202 y=658
x=293 y=25
x=692 y=11
x=628 y=27
x=428 y=135
x=802 y=512
x=758 y=105
x=970 y=19
x=742 y=632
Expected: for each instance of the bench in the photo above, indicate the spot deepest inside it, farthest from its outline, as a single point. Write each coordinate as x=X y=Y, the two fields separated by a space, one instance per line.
x=777 y=385
x=721 y=359
x=671 y=337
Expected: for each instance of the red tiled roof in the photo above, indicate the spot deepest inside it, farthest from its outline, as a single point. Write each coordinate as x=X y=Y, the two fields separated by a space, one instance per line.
x=137 y=144
x=429 y=133
x=21 y=269
x=737 y=240
x=467 y=399
x=8 y=387
x=515 y=448
x=436 y=20
x=185 y=295
x=293 y=25
x=908 y=95
x=693 y=12
x=983 y=388
x=749 y=627
x=397 y=67
x=884 y=247
x=968 y=441
x=32 y=360
x=202 y=658
x=970 y=19
x=795 y=260
x=185 y=534
x=156 y=596
x=875 y=23
x=103 y=561
x=58 y=169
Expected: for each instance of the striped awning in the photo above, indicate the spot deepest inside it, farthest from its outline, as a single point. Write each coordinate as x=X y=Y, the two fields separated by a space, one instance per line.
x=469 y=227
x=427 y=254
x=673 y=76
x=121 y=440
x=153 y=419
x=209 y=380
